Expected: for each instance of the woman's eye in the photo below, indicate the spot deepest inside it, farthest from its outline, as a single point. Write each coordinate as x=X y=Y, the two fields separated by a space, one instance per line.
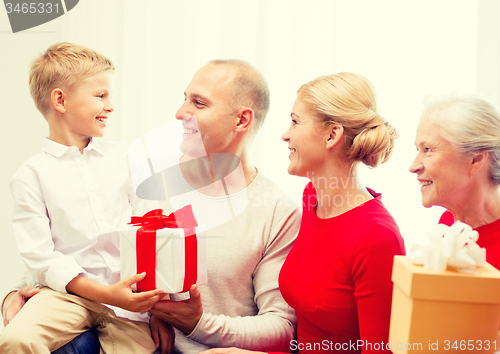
x=294 y=121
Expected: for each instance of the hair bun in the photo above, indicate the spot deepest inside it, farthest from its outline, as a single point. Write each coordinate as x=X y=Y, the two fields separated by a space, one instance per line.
x=374 y=144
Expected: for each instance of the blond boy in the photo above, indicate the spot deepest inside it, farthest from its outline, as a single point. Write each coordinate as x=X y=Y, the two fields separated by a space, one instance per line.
x=70 y=199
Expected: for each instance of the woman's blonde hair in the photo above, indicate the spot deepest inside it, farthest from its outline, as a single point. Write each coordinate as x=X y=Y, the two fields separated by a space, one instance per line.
x=63 y=65
x=349 y=100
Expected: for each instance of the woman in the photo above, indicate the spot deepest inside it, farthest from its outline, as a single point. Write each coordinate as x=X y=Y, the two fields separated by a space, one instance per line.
x=458 y=164
x=338 y=274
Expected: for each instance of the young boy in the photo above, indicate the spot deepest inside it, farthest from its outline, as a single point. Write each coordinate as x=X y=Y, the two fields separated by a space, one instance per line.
x=70 y=200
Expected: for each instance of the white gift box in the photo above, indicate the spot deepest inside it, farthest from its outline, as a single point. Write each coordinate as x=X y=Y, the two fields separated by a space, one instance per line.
x=170 y=268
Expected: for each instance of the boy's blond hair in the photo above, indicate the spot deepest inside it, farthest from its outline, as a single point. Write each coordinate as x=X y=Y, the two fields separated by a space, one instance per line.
x=63 y=65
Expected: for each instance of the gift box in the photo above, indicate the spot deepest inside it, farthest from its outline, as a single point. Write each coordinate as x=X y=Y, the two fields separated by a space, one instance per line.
x=170 y=249
x=446 y=311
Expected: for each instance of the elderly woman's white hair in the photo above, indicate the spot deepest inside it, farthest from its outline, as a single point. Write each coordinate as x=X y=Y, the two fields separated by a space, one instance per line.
x=470 y=123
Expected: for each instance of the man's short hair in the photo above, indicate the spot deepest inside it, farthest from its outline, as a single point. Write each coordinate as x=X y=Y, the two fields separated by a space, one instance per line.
x=63 y=65
x=249 y=88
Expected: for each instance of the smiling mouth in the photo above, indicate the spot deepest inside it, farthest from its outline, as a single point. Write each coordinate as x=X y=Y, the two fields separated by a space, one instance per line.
x=425 y=183
x=190 y=131
x=102 y=119
x=292 y=151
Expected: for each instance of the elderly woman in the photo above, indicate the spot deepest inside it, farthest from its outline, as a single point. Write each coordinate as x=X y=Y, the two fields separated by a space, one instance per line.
x=338 y=274
x=458 y=165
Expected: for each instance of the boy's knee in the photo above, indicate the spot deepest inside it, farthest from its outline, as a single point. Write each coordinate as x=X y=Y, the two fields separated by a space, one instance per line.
x=15 y=341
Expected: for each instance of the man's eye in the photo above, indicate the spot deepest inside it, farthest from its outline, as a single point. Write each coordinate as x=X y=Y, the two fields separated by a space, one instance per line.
x=198 y=103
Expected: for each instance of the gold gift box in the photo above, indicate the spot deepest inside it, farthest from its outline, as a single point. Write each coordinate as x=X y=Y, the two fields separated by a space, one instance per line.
x=443 y=312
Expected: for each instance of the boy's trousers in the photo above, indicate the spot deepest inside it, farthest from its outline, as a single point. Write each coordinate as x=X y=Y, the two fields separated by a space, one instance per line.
x=51 y=319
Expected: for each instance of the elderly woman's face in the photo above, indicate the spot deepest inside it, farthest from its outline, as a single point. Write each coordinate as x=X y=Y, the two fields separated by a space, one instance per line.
x=443 y=173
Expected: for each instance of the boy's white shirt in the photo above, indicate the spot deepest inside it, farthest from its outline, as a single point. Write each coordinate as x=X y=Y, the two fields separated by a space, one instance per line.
x=68 y=210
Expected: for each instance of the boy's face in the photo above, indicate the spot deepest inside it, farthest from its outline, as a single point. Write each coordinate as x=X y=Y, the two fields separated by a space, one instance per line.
x=88 y=106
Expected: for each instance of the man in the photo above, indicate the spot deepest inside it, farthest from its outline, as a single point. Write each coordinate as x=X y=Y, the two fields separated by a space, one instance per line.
x=226 y=103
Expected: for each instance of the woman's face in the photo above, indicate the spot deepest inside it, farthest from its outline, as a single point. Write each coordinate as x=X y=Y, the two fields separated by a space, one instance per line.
x=442 y=171
x=306 y=142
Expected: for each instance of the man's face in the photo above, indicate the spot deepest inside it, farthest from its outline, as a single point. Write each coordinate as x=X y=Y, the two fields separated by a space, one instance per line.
x=207 y=115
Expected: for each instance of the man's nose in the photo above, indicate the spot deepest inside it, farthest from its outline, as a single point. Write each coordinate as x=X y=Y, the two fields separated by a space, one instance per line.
x=183 y=112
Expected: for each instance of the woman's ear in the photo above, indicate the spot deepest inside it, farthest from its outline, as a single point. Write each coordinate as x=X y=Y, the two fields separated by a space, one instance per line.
x=57 y=100
x=336 y=132
x=478 y=162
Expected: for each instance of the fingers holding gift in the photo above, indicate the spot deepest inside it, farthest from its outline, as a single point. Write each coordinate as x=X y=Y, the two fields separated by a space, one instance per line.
x=183 y=314
x=125 y=298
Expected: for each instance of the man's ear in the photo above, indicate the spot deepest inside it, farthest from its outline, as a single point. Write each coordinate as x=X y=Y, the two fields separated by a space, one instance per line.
x=245 y=119
x=336 y=132
x=57 y=100
x=478 y=162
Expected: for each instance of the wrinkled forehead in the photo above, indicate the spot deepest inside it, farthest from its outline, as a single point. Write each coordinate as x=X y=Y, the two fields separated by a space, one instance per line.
x=428 y=132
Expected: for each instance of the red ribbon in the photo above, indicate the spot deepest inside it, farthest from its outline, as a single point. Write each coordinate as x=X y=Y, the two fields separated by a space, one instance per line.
x=146 y=244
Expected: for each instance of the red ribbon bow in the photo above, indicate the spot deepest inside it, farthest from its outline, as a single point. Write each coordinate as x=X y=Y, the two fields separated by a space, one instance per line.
x=146 y=244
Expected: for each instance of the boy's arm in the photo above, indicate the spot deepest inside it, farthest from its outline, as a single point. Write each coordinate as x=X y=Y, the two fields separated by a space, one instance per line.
x=119 y=294
x=32 y=231
x=49 y=267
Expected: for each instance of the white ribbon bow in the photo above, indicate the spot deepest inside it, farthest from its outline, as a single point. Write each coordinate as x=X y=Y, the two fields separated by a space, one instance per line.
x=450 y=246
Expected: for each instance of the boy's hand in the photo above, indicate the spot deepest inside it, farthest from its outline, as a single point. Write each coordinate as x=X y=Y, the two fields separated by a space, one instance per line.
x=121 y=295
x=163 y=334
x=15 y=301
x=184 y=314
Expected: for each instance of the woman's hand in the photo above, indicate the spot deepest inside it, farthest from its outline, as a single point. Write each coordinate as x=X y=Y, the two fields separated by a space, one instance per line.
x=229 y=351
x=163 y=334
x=15 y=301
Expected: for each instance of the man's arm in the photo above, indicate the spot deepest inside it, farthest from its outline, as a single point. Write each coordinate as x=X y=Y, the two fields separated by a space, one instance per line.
x=273 y=326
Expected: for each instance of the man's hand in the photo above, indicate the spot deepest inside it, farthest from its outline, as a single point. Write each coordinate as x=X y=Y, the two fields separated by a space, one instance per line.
x=163 y=334
x=184 y=314
x=15 y=301
x=229 y=351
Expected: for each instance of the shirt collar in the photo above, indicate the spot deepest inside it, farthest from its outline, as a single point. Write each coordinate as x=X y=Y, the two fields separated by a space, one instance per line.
x=57 y=150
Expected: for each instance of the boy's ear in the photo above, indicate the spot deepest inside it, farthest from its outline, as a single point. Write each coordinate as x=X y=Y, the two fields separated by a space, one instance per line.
x=57 y=100
x=336 y=132
x=245 y=119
